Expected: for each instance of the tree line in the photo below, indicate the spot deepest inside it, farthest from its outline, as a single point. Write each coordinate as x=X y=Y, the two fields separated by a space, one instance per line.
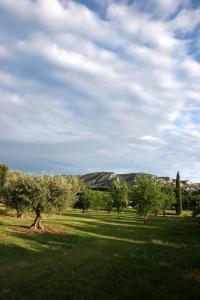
x=39 y=194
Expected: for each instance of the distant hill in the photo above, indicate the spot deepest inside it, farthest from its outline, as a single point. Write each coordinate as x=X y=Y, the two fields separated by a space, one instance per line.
x=105 y=179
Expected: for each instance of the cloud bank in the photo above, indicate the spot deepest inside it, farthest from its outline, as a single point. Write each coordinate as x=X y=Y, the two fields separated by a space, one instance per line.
x=100 y=85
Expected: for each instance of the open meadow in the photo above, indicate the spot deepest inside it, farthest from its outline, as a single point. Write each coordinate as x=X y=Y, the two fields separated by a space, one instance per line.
x=94 y=255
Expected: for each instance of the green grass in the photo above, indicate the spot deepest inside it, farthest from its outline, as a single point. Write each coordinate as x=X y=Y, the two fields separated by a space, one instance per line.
x=100 y=257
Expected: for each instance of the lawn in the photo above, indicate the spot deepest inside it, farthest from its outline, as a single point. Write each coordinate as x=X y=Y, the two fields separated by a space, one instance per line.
x=96 y=256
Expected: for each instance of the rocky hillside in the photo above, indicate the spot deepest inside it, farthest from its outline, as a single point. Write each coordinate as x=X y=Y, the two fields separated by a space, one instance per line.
x=105 y=179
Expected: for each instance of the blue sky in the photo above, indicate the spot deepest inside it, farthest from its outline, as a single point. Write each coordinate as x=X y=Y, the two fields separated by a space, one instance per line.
x=100 y=85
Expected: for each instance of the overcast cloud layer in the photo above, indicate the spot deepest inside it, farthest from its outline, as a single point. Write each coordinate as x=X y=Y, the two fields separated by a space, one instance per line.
x=100 y=85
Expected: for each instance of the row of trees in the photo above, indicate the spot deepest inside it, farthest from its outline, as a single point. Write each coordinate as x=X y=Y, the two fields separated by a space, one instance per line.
x=147 y=196
x=40 y=194
x=116 y=197
x=25 y=192
x=94 y=199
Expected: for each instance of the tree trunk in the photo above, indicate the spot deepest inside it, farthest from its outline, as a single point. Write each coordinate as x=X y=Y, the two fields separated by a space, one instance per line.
x=164 y=213
x=37 y=222
x=176 y=207
x=20 y=215
x=118 y=214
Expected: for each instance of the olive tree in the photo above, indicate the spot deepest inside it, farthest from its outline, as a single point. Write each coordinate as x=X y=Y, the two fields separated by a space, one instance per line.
x=196 y=209
x=167 y=197
x=119 y=193
x=52 y=192
x=147 y=193
x=39 y=194
x=108 y=202
x=3 y=174
x=84 y=200
x=16 y=192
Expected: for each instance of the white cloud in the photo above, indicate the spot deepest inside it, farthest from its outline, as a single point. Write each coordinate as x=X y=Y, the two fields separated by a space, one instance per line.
x=168 y=7
x=186 y=21
x=107 y=93
x=140 y=27
x=152 y=139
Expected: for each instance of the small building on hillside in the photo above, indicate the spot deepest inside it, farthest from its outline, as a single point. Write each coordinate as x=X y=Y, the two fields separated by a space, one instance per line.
x=164 y=179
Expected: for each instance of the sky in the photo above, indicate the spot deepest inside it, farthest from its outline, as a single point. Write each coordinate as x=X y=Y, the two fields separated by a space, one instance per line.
x=100 y=85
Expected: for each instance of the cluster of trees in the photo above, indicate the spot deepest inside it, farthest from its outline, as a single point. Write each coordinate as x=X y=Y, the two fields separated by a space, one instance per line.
x=94 y=199
x=190 y=199
x=39 y=194
x=147 y=196
x=116 y=197
x=150 y=197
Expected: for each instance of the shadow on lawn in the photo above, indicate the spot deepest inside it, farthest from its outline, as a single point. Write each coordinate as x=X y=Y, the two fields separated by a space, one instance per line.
x=103 y=260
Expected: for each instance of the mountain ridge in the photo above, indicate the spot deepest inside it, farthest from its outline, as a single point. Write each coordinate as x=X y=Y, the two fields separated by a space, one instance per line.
x=105 y=179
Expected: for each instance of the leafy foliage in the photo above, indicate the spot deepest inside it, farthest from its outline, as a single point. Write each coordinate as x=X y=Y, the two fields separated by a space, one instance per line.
x=148 y=194
x=39 y=193
x=196 y=209
x=167 y=197
x=17 y=191
x=94 y=199
x=3 y=173
x=178 y=195
x=119 y=193
x=84 y=200
x=109 y=203
x=101 y=200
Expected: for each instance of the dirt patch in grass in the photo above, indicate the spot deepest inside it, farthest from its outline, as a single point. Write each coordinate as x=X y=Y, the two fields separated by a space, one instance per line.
x=193 y=275
x=45 y=229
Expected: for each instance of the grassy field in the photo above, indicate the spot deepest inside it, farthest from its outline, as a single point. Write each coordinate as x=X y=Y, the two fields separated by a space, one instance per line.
x=97 y=256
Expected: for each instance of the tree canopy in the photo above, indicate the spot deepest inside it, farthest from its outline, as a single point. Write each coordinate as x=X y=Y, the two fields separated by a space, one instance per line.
x=178 y=195
x=147 y=193
x=119 y=193
x=39 y=193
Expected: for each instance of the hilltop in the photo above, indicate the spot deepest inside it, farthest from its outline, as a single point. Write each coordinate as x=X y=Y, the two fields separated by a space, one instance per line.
x=105 y=180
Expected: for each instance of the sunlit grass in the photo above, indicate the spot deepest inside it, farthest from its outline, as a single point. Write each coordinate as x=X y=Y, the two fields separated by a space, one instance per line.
x=96 y=256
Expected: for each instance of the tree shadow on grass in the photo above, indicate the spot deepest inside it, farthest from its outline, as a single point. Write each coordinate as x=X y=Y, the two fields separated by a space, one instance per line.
x=100 y=262
x=103 y=217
